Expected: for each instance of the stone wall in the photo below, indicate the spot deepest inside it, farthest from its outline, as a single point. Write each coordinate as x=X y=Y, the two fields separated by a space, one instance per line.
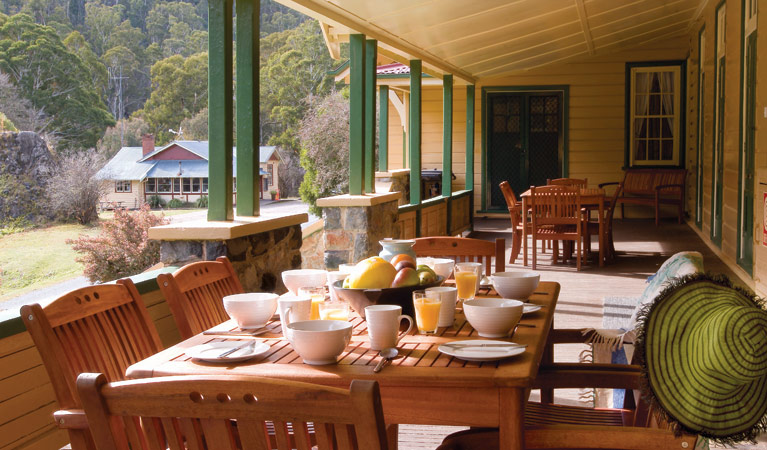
x=352 y=232
x=313 y=251
x=258 y=259
x=395 y=181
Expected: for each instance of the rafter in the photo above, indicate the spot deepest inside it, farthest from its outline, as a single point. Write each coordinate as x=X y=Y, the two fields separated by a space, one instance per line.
x=585 y=25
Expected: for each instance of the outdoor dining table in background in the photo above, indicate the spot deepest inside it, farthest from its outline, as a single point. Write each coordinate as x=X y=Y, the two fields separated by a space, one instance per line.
x=591 y=199
x=422 y=386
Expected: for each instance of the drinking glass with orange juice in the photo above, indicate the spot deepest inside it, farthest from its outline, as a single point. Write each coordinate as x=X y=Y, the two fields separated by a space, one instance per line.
x=334 y=311
x=317 y=294
x=467 y=276
x=427 y=306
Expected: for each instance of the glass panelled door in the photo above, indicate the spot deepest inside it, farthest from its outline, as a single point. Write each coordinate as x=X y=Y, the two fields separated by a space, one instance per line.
x=748 y=124
x=524 y=141
x=718 y=153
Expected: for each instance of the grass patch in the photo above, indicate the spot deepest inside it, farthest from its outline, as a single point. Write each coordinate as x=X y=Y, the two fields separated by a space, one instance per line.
x=39 y=257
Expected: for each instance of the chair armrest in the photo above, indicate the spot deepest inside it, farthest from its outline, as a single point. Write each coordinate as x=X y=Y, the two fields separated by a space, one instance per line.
x=569 y=336
x=588 y=375
x=601 y=185
x=71 y=419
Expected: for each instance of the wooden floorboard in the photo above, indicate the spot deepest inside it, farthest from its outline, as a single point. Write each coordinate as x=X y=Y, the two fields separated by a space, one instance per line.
x=642 y=248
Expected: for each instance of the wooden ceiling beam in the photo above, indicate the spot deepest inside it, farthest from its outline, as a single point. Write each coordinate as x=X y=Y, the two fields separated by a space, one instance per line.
x=336 y=16
x=334 y=48
x=585 y=25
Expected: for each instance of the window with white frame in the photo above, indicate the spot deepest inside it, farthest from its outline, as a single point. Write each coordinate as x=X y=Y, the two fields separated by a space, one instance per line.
x=204 y=185
x=654 y=125
x=177 y=185
x=186 y=184
x=150 y=186
x=122 y=186
x=196 y=185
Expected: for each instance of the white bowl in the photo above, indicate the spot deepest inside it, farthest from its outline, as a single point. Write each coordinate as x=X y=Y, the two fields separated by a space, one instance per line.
x=299 y=278
x=441 y=266
x=320 y=342
x=251 y=310
x=493 y=317
x=515 y=284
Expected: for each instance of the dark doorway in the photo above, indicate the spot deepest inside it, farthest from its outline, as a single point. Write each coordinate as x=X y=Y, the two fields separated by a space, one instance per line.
x=524 y=141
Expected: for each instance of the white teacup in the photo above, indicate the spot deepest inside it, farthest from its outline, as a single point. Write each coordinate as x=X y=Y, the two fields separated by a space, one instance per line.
x=449 y=295
x=383 y=325
x=293 y=308
x=320 y=341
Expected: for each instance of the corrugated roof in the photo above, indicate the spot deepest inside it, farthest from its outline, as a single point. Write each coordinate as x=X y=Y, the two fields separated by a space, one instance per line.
x=130 y=164
x=125 y=166
x=393 y=69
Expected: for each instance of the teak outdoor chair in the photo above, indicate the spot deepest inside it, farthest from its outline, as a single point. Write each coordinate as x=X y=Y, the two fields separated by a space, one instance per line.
x=464 y=249
x=592 y=227
x=556 y=216
x=518 y=222
x=103 y=328
x=580 y=182
x=554 y=426
x=162 y=410
x=195 y=294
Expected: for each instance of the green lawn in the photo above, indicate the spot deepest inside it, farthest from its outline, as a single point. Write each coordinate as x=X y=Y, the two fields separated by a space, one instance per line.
x=41 y=257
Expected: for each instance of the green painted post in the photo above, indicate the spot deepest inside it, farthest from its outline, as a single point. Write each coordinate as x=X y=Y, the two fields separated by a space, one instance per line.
x=248 y=179
x=447 y=135
x=415 y=132
x=371 y=59
x=470 y=136
x=220 y=121
x=383 y=128
x=404 y=148
x=357 y=114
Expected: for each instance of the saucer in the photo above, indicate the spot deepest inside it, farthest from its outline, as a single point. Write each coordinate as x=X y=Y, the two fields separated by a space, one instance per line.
x=210 y=352
x=530 y=308
x=475 y=351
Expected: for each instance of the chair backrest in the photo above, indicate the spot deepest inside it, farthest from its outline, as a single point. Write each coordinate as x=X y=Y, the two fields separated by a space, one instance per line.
x=580 y=182
x=464 y=249
x=515 y=209
x=555 y=205
x=197 y=412
x=103 y=328
x=195 y=294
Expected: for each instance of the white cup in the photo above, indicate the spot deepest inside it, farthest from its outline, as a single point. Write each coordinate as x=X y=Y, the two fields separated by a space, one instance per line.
x=449 y=296
x=332 y=278
x=383 y=325
x=293 y=308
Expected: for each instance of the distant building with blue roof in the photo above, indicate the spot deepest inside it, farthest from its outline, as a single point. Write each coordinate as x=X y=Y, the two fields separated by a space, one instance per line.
x=177 y=170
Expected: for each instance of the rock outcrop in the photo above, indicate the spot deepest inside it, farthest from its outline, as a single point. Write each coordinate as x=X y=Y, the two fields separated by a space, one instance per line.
x=25 y=161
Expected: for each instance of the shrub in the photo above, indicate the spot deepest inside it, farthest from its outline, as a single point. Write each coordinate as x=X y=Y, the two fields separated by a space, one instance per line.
x=122 y=248
x=176 y=203
x=155 y=201
x=73 y=189
x=202 y=202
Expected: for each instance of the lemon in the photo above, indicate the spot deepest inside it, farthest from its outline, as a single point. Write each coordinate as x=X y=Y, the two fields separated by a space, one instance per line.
x=372 y=273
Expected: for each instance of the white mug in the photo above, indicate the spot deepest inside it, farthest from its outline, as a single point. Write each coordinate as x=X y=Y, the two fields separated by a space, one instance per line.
x=449 y=295
x=332 y=278
x=383 y=325
x=293 y=308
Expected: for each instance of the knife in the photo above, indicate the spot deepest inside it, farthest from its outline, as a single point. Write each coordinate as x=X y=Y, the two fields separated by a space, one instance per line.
x=236 y=332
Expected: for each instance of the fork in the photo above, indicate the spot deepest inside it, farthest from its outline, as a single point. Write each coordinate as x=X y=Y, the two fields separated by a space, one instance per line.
x=239 y=347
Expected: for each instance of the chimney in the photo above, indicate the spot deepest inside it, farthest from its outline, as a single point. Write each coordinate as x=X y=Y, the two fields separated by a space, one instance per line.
x=147 y=144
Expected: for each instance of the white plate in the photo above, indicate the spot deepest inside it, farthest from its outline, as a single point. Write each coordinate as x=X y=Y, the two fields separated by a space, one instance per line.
x=209 y=352
x=481 y=353
x=528 y=308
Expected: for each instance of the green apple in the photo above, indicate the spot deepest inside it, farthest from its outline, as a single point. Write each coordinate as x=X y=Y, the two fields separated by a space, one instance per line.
x=426 y=275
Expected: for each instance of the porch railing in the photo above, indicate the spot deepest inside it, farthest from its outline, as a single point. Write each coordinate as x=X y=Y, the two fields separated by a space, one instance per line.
x=438 y=216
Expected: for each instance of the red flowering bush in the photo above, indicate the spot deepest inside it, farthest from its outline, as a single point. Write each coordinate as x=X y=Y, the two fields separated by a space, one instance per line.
x=122 y=248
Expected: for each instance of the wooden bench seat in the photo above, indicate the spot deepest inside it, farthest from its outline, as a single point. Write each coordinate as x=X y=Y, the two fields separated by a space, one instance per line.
x=653 y=187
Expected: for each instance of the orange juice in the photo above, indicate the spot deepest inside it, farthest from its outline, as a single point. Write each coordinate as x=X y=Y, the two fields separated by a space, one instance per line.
x=466 y=282
x=316 y=300
x=427 y=314
x=335 y=314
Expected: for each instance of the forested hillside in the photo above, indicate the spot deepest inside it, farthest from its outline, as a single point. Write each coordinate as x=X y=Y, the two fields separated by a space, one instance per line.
x=101 y=73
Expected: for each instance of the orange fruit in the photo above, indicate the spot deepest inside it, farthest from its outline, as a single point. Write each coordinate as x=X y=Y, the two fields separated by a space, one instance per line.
x=402 y=257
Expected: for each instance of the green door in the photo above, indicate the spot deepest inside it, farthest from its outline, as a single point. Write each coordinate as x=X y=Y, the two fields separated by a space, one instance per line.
x=716 y=216
x=524 y=137
x=746 y=203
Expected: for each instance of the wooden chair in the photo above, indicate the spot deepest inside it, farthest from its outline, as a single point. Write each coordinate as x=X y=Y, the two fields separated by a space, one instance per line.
x=159 y=411
x=580 y=182
x=551 y=426
x=592 y=227
x=195 y=294
x=556 y=216
x=464 y=249
x=517 y=221
x=103 y=328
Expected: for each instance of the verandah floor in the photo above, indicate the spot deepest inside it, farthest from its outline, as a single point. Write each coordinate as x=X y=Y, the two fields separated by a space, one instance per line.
x=641 y=249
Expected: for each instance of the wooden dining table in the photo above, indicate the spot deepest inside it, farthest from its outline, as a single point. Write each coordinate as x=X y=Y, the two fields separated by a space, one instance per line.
x=591 y=199
x=421 y=386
